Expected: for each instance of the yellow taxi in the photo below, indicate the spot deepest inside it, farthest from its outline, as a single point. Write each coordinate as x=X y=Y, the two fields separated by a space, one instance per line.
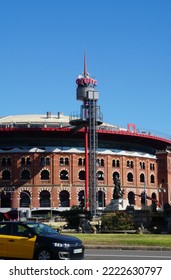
x=34 y=240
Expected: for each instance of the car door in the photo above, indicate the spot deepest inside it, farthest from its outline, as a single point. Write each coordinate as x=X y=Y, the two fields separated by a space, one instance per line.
x=5 y=231
x=20 y=245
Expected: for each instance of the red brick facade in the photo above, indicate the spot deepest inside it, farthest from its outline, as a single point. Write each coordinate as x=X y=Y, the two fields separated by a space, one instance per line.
x=56 y=180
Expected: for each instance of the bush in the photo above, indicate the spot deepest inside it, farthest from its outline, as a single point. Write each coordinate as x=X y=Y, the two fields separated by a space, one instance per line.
x=72 y=216
x=118 y=220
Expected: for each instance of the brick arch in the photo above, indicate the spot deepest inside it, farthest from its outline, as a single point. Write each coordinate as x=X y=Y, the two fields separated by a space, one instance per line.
x=44 y=189
x=25 y=190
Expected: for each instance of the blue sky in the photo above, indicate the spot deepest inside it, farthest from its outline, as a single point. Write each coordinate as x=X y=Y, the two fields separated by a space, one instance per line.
x=128 y=49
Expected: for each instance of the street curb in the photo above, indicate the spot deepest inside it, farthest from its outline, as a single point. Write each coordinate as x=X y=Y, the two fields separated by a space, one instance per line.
x=143 y=248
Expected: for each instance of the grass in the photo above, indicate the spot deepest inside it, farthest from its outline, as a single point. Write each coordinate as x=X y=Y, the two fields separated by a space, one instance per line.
x=158 y=240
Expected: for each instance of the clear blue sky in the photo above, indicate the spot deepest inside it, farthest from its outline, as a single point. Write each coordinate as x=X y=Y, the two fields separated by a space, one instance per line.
x=128 y=48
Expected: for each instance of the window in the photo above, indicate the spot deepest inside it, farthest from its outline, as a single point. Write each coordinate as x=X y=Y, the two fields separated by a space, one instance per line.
x=152 y=179
x=25 y=199
x=3 y=163
x=100 y=176
x=131 y=198
x=152 y=166
x=81 y=162
x=130 y=163
x=64 y=175
x=142 y=178
x=115 y=175
x=115 y=163
x=100 y=162
x=81 y=175
x=47 y=161
x=81 y=198
x=6 y=175
x=6 y=161
x=25 y=161
x=64 y=199
x=25 y=175
x=45 y=199
x=44 y=161
x=45 y=175
x=130 y=177
x=142 y=165
x=64 y=161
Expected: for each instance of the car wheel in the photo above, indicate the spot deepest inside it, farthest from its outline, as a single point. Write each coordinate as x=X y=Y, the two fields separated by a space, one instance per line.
x=43 y=254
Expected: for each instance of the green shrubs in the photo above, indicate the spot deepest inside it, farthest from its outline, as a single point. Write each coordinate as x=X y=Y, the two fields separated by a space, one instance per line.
x=73 y=215
x=118 y=220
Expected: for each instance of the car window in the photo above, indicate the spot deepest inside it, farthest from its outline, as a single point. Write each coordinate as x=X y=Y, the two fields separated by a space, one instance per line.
x=42 y=229
x=19 y=230
x=5 y=229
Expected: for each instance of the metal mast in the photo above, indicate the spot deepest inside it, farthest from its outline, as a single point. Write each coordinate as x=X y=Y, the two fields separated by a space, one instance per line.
x=90 y=118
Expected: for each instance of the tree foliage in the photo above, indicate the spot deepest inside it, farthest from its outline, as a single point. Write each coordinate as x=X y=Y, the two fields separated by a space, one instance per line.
x=118 y=220
x=73 y=215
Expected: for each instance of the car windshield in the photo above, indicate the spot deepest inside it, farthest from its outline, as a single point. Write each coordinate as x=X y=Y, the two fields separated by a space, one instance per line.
x=42 y=229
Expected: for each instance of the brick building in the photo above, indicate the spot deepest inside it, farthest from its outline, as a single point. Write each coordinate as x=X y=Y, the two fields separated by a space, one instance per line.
x=42 y=164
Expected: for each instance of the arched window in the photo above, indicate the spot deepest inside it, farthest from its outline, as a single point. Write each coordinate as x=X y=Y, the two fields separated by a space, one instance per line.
x=28 y=161
x=42 y=161
x=23 y=161
x=45 y=199
x=101 y=199
x=81 y=175
x=64 y=161
x=6 y=175
x=8 y=161
x=152 y=166
x=81 y=161
x=152 y=179
x=130 y=163
x=64 y=175
x=64 y=199
x=100 y=176
x=6 y=200
x=143 y=198
x=47 y=161
x=131 y=198
x=115 y=163
x=130 y=177
x=25 y=175
x=100 y=162
x=45 y=175
x=115 y=175
x=81 y=198
x=142 y=178
x=3 y=162
x=25 y=199
x=142 y=165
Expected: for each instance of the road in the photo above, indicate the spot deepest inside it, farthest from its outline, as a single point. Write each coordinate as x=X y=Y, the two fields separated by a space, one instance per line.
x=107 y=254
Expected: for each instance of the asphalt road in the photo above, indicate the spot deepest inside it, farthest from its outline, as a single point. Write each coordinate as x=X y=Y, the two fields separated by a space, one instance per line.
x=108 y=254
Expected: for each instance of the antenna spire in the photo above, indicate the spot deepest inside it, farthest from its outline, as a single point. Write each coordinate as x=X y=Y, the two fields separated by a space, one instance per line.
x=85 y=65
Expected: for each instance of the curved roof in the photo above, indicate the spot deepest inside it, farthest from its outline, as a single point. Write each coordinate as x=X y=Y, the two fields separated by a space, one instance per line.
x=55 y=130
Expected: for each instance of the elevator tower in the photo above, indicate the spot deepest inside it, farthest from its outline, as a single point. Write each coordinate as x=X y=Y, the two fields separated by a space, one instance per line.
x=91 y=117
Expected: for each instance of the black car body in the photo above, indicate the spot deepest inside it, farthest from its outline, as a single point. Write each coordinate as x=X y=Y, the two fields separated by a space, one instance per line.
x=34 y=240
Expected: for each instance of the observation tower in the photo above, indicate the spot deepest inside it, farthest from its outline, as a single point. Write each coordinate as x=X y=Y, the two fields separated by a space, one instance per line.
x=90 y=119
